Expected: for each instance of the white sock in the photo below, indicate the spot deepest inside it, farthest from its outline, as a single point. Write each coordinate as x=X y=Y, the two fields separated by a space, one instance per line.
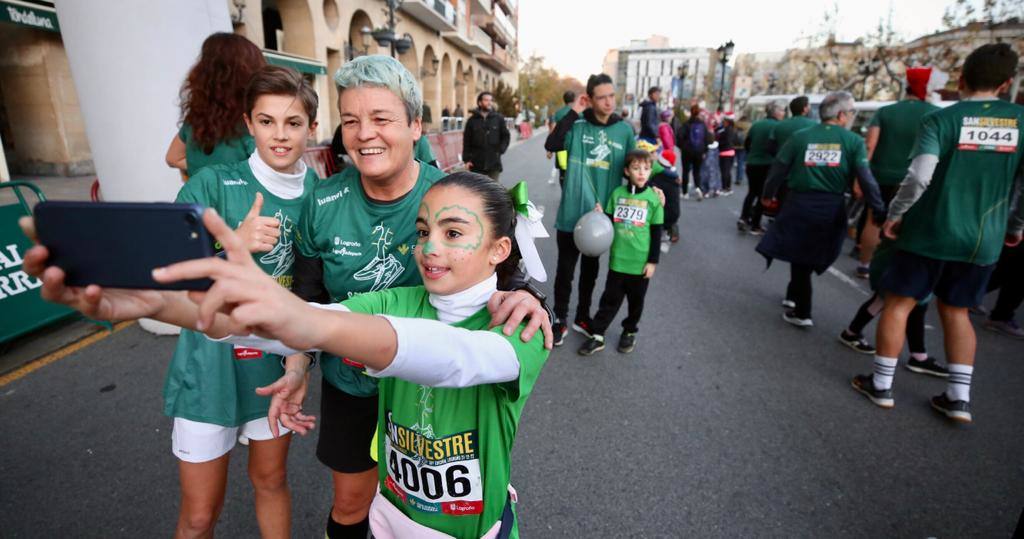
x=885 y=369
x=919 y=356
x=959 y=386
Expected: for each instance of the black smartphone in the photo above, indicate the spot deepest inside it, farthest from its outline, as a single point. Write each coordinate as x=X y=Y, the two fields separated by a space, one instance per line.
x=118 y=244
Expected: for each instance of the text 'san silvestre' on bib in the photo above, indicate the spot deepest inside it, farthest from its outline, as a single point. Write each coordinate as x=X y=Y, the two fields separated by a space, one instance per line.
x=986 y=134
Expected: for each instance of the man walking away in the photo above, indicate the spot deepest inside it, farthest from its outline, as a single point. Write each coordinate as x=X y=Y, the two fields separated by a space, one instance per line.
x=485 y=138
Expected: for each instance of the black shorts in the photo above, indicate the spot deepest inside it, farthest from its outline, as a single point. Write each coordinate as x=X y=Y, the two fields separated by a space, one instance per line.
x=957 y=284
x=888 y=193
x=347 y=424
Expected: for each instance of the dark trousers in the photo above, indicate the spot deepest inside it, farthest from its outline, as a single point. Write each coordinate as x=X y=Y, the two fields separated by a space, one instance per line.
x=691 y=162
x=617 y=287
x=751 y=213
x=799 y=290
x=725 y=165
x=1007 y=278
x=568 y=254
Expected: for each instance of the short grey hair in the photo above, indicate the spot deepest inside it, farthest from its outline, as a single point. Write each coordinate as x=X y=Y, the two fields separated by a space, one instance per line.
x=774 y=106
x=381 y=71
x=834 y=103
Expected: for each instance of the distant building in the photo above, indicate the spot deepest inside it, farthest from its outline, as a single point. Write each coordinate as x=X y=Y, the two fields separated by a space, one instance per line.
x=654 y=62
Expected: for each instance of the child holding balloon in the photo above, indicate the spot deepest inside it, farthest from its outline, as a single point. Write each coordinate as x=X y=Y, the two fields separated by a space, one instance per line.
x=638 y=214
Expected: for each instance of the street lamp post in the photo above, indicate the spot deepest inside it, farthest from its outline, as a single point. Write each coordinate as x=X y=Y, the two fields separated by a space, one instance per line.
x=724 y=51
x=386 y=36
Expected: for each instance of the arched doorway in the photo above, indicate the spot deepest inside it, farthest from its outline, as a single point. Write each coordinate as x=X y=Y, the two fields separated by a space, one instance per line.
x=357 y=44
x=288 y=27
x=430 y=81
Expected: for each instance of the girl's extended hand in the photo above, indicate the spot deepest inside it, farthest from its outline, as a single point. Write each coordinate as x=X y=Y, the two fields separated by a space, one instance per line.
x=286 y=396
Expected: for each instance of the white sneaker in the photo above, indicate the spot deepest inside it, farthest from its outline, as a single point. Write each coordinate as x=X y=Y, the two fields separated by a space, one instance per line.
x=789 y=304
x=698 y=193
x=665 y=246
x=788 y=316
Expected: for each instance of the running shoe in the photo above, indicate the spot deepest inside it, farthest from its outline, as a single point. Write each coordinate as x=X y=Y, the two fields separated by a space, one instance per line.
x=787 y=304
x=1007 y=327
x=757 y=231
x=698 y=194
x=674 y=238
x=665 y=246
x=865 y=385
x=560 y=331
x=627 y=342
x=582 y=327
x=684 y=196
x=742 y=226
x=959 y=411
x=863 y=272
x=593 y=345
x=856 y=342
x=725 y=192
x=790 y=316
x=929 y=366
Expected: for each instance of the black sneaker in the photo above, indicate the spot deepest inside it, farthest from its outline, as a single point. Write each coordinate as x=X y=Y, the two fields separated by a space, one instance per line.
x=856 y=342
x=560 y=331
x=928 y=366
x=582 y=327
x=742 y=226
x=863 y=272
x=865 y=385
x=627 y=342
x=959 y=411
x=593 y=345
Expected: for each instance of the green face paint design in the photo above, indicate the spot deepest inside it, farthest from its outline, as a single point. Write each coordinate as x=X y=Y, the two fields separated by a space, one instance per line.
x=469 y=243
x=428 y=248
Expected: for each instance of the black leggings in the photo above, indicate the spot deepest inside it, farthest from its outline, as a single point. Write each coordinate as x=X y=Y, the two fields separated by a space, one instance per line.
x=915 y=322
x=691 y=162
x=568 y=254
x=751 y=213
x=619 y=286
x=725 y=165
x=799 y=290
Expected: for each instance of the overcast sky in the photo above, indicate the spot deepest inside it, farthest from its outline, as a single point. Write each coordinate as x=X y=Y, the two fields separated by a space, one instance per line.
x=754 y=25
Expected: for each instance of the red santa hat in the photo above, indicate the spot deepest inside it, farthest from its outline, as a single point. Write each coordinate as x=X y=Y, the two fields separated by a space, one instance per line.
x=921 y=81
x=667 y=158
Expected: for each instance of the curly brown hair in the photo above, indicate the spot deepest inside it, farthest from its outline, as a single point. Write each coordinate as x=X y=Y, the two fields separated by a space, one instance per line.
x=213 y=95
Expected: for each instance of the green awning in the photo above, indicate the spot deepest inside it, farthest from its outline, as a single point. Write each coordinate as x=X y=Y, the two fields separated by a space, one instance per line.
x=33 y=15
x=298 y=63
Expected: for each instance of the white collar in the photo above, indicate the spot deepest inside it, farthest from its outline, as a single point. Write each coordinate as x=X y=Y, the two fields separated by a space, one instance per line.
x=461 y=305
x=281 y=185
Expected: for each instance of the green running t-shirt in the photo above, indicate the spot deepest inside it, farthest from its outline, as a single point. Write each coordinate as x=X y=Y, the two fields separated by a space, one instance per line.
x=227 y=151
x=632 y=217
x=596 y=157
x=422 y=151
x=365 y=246
x=897 y=125
x=962 y=215
x=445 y=453
x=823 y=157
x=214 y=382
x=786 y=128
x=759 y=135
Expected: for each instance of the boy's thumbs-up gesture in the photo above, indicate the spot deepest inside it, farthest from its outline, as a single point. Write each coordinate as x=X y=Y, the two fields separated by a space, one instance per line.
x=259 y=233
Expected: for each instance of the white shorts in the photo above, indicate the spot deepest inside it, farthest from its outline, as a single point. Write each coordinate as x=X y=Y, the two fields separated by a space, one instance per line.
x=192 y=441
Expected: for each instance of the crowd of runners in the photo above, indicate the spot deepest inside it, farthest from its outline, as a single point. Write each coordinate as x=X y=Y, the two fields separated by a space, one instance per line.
x=390 y=275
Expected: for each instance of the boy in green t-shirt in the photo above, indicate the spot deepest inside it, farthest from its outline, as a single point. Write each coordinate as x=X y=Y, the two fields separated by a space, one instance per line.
x=949 y=220
x=637 y=215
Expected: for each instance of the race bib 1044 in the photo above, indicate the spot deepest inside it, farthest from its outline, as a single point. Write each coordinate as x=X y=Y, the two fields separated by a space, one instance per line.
x=434 y=475
x=987 y=134
x=823 y=155
x=628 y=210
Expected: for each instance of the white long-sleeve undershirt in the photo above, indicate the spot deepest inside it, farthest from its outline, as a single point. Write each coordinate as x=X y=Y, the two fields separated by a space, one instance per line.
x=431 y=352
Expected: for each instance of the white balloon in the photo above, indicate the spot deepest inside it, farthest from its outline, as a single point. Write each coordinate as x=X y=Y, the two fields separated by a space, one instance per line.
x=593 y=233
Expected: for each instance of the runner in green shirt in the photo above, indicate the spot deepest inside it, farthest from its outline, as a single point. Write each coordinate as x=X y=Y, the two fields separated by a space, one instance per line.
x=759 y=162
x=561 y=157
x=211 y=387
x=597 y=141
x=637 y=215
x=212 y=105
x=817 y=164
x=799 y=107
x=890 y=139
x=949 y=220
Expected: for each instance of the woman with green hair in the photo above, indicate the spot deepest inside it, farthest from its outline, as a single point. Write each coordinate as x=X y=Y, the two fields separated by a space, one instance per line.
x=358 y=235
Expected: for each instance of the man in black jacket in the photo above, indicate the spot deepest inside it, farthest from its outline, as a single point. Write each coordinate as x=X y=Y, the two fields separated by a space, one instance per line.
x=485 y=138
x=649 y=115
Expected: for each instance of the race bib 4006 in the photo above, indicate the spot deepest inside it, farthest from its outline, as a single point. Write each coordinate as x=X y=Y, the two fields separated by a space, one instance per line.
x=988 y=134
x=434 y=475
x=823 y=155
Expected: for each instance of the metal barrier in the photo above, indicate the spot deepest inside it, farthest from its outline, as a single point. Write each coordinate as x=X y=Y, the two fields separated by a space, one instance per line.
x=320 y=159
x=22 y=309
x=447 y=148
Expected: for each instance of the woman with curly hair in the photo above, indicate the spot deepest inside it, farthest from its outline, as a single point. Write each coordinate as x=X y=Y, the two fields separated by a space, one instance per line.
x=212 y=104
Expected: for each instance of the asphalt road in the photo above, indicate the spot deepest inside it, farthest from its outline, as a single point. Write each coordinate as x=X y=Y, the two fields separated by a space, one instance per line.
x=724 y=422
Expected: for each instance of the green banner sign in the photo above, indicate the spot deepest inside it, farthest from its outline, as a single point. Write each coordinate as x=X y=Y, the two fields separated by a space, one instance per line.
x=298 y=63
x=38 y=17
x=21 y=307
